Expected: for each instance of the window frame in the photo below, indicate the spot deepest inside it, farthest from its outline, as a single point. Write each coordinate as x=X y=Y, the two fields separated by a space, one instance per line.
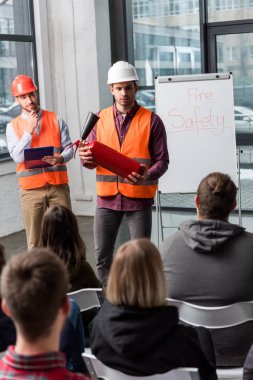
x=30 y=38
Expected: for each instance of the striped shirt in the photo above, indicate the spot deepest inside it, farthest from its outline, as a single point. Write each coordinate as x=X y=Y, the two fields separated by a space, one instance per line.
x=49 y=366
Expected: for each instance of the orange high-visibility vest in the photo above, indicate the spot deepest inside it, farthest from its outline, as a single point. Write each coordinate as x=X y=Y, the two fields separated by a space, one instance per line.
x=135 y=145
x=49 y=136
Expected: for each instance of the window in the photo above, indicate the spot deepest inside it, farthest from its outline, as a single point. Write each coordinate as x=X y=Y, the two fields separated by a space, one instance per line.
x=141 y=9
x=181 y=37
x=233 y=53
x=228 y=10
x=17 y=47
x=227 y=4
x=165 y=44
x=251 y=51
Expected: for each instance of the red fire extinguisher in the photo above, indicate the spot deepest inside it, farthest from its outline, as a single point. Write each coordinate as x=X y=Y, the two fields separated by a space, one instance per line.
x=105 y=156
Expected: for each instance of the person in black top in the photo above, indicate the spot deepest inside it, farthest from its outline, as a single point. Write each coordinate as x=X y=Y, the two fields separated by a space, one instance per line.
x=135 y=331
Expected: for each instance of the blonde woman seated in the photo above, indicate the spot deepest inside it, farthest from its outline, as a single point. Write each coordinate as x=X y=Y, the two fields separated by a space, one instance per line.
x=135 y=331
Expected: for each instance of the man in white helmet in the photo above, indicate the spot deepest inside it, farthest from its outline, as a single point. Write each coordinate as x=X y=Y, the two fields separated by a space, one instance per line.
x=137 y=133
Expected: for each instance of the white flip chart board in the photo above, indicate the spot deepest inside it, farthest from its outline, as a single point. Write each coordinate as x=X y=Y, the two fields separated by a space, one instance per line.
x=198 y=113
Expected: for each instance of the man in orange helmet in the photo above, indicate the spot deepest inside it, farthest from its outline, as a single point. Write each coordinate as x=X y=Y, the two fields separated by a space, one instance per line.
x=40 y=187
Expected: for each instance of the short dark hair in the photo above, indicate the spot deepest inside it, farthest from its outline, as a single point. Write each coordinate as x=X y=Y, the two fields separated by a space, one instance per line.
x=60 y=233
x=216 y=195
x=34 y=285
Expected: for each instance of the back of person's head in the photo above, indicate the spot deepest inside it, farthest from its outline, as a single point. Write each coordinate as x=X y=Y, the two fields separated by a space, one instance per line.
x=136 y=277
x=216 y=196
x=34 y=286
x=60 y=233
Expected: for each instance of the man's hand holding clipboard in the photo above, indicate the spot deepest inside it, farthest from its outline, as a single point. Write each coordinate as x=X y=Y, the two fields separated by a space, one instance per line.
x=41 y=157
x=53 y=160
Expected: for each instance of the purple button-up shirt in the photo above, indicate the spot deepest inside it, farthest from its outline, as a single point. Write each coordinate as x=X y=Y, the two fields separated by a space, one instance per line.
x=159 y=158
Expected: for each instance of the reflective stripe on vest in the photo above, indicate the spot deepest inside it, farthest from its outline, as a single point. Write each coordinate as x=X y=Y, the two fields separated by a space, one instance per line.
x=135 y=145
x=49 y=136
x=49 y=169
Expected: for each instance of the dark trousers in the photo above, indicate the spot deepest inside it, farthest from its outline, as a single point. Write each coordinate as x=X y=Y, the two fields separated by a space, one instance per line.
x=106 y=227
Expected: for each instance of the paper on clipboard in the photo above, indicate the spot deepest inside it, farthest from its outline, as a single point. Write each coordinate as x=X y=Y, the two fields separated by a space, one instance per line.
x=33 y=157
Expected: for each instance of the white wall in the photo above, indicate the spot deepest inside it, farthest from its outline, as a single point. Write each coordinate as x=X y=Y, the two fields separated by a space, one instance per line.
x=11 y=214
x=73 y=52
x=76 y=68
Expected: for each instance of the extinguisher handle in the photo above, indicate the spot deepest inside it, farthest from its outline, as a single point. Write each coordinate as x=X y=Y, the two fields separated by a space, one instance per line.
x=88 y=125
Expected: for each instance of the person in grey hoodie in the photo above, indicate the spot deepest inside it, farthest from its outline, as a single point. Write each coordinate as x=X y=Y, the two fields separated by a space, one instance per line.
x=209 y=261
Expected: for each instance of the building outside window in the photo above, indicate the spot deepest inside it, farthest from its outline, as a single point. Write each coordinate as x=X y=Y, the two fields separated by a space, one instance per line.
x=166 y=37
x=224 y=10
x=165 y=44
x=17 y=56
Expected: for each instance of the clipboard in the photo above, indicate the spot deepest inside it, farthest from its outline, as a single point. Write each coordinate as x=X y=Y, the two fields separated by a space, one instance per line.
x=33 y=157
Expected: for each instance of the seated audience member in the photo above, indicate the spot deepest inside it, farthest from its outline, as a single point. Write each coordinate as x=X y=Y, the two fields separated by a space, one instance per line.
x=33 y=290
x=135 y=331
x=7 y=328
x=60 y=233
x=209 y=261
x=248 y=365
x=72 y=337
x=72 y=340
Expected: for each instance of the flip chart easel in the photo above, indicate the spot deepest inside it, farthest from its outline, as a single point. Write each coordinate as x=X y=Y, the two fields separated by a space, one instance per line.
x=198 y=113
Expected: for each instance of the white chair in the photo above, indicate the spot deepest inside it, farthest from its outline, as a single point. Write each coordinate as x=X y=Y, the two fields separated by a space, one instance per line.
x=87 y=298
x=216 y=317
x=98 y=370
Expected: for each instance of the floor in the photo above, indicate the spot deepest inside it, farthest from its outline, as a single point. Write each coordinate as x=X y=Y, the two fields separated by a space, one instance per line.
x=16 y=242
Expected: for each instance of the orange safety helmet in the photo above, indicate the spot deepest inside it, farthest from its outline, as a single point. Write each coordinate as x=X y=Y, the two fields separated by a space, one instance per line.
x=22 y=85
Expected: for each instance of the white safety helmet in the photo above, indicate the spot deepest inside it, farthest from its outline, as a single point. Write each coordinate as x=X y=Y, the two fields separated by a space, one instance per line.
x=121 y=71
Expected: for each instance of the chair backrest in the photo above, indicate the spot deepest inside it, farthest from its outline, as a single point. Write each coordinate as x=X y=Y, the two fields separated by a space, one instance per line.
x=98 y=370
x=87 y=298
x=215 y=317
